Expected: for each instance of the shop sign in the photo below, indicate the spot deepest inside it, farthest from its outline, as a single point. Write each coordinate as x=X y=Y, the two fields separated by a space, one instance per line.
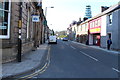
x=95 y=30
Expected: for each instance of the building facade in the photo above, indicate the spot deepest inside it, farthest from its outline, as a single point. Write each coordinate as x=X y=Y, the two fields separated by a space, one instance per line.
x=112 y=27
x=101 y=27
x=16 y=22
x=82 y=32
x=94 y=31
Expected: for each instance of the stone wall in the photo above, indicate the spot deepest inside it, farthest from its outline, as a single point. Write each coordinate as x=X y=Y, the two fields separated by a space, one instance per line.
x=9 y=46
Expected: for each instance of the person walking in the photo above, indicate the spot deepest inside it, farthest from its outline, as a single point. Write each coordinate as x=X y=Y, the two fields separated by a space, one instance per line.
x=109 y=42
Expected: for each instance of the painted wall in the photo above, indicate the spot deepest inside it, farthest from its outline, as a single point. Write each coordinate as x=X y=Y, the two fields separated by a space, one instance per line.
x=103 y=31
x=111 y=28
x=119 y=29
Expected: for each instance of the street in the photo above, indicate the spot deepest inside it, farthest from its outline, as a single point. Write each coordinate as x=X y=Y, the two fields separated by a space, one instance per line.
x=72 y=60
x=86 y=37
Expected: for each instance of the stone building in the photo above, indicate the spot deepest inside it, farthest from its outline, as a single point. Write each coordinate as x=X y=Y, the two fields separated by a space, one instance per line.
x=16 y=22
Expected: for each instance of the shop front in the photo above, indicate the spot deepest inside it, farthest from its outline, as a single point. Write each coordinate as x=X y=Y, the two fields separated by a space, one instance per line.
x=94 y=32
x=96 y=39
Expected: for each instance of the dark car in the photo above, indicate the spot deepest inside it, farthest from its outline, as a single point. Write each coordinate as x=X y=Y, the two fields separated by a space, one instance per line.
x=65 y=39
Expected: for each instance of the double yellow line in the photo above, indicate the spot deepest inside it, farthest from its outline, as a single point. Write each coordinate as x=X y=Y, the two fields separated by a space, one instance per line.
x=43 y=69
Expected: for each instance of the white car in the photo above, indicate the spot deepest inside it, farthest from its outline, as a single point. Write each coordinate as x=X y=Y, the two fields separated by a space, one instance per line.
x=52 y=39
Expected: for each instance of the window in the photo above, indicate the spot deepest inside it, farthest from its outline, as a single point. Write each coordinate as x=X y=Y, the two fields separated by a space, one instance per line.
x=77 y=28
x=81 y=27
x=93 y=25
x=90 y=25
x=99 y=22
x=110 y=19
x=86 y=27
x=96 y=23
x=5 y=18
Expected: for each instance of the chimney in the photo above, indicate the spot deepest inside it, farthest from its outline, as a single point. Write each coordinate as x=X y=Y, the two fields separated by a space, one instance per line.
x=85 y=18
x=80 y=19
x=103 y=8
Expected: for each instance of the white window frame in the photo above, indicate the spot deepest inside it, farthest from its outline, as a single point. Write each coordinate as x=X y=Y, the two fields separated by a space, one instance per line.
x=8 y=30
x=110 y=18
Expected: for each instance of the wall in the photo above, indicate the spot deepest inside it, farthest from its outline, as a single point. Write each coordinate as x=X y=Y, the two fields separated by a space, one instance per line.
x=103 y=31
x=9 y=48
x=113 y=29
x=119 y=29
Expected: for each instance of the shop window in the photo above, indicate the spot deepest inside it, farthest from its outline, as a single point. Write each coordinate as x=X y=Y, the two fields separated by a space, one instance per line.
x=4 y=19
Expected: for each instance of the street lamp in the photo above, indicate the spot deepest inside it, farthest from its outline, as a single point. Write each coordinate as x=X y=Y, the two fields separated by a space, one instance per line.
x=46 y=19
x=46 y=10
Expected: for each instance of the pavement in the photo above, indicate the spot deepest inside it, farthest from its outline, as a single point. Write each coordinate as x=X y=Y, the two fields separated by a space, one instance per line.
x=97 y=47
x=30 y=61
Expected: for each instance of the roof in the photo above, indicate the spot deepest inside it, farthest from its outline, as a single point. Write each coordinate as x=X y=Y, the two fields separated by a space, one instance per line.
x=109 y=10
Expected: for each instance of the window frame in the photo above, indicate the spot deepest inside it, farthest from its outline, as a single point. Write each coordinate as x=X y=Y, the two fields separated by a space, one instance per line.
x=110 y=19
x=8 y=27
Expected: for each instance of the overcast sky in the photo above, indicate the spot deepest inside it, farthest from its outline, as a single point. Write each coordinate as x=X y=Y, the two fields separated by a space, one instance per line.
x=65 y=11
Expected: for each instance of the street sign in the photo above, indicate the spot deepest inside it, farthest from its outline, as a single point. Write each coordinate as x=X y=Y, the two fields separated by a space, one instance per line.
x=35 y=18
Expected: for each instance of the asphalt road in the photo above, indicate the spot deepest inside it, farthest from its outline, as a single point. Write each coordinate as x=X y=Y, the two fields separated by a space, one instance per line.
x=72 y=60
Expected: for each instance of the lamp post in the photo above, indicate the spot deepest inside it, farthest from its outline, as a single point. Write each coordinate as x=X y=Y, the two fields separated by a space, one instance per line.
x=45 y=28
x=46 y=10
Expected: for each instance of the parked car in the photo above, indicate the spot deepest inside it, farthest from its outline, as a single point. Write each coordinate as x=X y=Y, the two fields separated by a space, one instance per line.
x=65 y=39
x=52 y=39
x=61 y=38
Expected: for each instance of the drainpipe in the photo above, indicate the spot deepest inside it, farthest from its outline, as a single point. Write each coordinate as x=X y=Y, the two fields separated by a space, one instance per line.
x=20 y=31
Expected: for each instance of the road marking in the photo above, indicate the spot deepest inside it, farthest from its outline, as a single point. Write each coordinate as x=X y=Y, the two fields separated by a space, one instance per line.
x=116 y=70
x=89 y=56
x=34 y=77
x=43 y=69
x=72 y=47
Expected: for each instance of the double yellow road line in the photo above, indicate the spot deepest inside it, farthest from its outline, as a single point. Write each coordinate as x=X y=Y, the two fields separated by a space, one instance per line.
x=43 y=69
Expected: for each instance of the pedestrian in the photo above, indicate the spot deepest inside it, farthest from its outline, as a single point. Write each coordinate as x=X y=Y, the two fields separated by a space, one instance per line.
x=109 y=42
